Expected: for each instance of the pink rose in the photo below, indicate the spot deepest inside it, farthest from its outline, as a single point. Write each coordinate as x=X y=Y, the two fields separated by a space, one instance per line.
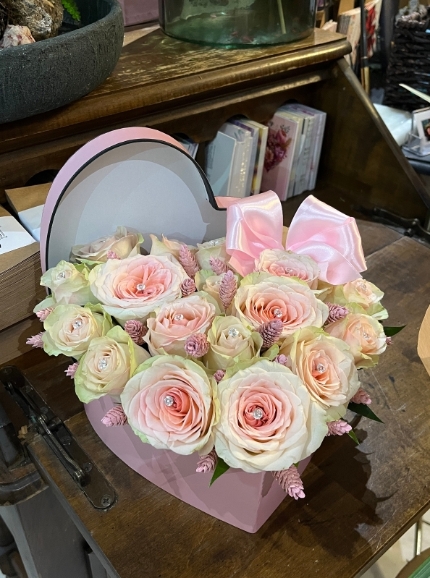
x=268 y=421
x=281 y=298
x=324 y=364
x=173 y=323
x=133 y=288
x=170 y=404
x=123 y=243
x=288 y=264
x=364 y=335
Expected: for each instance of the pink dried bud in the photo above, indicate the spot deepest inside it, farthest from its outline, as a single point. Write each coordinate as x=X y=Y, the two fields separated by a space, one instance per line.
x=218 y=375
x=188 y=261
x=36 y=341
x=207 y=463
x=188 y=287
x=338 y=428
x=111 y=255
x=291 y=482
x=227 y=289
x=218 y=266
x=136 y=330
x=283 y=360
x=197 y=345
x=71 y=370
x=271 y=332
x=362 y=397
x=115 y=417
x=335 y=313
x=43 y=313
x=389 y=340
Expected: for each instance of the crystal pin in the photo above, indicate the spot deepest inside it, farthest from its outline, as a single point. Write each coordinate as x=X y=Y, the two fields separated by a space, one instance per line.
x=141 y=287
x=169 y=400
x=277 y=313
x=320 y=368
x=233 y=332
x=102 y=364
x=178 y=317
x=77 y=324
x=258 y=413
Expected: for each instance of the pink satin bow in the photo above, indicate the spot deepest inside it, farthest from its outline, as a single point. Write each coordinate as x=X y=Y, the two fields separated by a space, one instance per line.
x=331 y=238
x=328 y=236
x=253 y=224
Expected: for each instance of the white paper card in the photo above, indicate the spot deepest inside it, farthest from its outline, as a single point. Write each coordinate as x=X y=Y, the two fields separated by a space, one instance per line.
x=31 y=219
x=12 y=235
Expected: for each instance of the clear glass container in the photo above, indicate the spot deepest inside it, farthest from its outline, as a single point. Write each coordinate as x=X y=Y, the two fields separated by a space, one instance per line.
x=238 y=22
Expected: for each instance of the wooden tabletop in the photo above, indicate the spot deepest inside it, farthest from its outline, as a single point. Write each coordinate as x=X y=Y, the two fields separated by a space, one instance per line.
x=359 y=499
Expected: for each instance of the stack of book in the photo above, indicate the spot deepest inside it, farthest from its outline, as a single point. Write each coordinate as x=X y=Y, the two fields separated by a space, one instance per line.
x=247 y=157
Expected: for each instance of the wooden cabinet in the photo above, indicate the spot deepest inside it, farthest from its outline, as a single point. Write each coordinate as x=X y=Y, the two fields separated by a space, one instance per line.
x=185 y=88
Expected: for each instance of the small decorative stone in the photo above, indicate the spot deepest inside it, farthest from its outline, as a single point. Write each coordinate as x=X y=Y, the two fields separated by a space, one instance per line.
x=16 y=36
x=169 y=400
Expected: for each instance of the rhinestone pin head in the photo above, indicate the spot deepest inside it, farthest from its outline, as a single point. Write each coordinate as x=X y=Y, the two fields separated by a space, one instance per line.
x=61 y=275
x=76 y=324
x=233 y=332
x=141 y=287
x=258 y=413
x=277 y=313
x=169 y=400
x=102 y=364
x=178 y=317
x=320 y=368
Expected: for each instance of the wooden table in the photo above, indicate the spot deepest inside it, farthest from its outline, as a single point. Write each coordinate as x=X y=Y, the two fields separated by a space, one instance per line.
x=359 y=499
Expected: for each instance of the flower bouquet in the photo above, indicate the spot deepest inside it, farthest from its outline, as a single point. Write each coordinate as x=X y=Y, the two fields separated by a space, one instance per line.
x=240 y=353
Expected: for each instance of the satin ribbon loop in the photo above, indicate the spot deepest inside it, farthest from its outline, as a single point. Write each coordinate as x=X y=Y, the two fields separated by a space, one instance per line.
x=253 y=224
x=331 y=238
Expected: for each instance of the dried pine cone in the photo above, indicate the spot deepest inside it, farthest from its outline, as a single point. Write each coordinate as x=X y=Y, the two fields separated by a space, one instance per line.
x=3 y=19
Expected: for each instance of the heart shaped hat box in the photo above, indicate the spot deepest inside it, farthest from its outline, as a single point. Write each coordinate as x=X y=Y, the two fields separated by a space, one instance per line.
x=144 y=179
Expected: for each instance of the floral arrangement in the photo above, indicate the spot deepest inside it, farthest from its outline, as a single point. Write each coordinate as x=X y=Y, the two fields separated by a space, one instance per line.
x=278 y=143
x=244 y=350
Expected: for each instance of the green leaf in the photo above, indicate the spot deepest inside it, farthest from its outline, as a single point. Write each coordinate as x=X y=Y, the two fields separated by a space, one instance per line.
x=390 y=331
x=363 y=410
x=72 y=8
x=221 y=468
x=353 y=436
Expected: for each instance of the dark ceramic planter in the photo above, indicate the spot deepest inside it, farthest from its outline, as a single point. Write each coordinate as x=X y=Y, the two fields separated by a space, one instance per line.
x=50 y=73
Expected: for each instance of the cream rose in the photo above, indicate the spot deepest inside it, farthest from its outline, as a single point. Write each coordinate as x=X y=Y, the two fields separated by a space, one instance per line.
x=367 y=295
x=68 y=284
x=230 y=343
x=122 y=244
x=364 y=335
x=288 y=264
x=324 y=364
x=107 y=365
x=135 y=287
x=69 y=329
x=268 y=421
x=170 y=403
x=288 y=300
x=211 y=249
x=167 y=247
x=173 y=323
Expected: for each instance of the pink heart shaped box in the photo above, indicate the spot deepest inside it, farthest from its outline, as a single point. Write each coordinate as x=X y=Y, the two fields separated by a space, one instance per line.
x=142 y=178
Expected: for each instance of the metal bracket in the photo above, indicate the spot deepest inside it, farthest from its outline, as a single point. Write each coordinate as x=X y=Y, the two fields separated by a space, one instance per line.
x=77 y=463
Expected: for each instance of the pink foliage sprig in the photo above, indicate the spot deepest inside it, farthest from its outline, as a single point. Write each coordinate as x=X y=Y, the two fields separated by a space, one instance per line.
x=218 y=266
x=111 y=255
x=137 y=330
x=197 y=345
x=291 y=482
x=362 y=397
x=43 y=313
x=36 y=341
x=188 y=261
x=271 y=332
x=283 y=360
x=115 y=417
x=71 y=370
x=227 y=289
x=207 y=463
x=188 y=287
x=338 y=428
x=335 y=313
x=218 y=375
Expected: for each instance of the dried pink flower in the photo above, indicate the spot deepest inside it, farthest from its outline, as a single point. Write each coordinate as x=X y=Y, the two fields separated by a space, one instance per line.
x=111 y=255
x=227 y=289
x=188 y=287
x=197 y=345
x=218 y=375
x=283 y=360
x=291 y=482
x=71 y=370
x=188 y=261
x=335 y=312
x=207 y=463
x=218 y=266
x=36 y=341
x=389 y=341
x=271 y=332
x=43 y=313
x=338 y=428
x=115 y=417
x=362 y=397
x=136 y=330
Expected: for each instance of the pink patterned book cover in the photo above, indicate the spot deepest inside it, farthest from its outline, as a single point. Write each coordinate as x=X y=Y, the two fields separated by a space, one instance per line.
x=279 y=155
